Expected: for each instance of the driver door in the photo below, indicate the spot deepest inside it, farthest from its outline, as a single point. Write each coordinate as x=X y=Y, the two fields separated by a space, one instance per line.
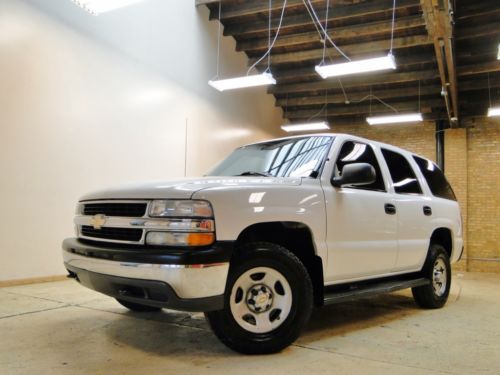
x=361 y=222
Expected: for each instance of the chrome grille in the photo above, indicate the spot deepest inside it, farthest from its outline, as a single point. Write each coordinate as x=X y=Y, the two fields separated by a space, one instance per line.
x=118 y=234
x=115 y=209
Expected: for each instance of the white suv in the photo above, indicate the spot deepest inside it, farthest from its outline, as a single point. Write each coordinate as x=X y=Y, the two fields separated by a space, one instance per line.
x=276 y=228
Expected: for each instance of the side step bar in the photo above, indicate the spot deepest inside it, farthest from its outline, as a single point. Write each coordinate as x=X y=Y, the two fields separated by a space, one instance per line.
x=372 y=290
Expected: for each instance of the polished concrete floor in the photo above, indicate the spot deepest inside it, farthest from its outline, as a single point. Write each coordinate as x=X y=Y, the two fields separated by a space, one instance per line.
x=61 y=327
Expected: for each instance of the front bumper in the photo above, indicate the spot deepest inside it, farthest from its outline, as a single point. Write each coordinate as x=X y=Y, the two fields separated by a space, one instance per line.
x=152 y=277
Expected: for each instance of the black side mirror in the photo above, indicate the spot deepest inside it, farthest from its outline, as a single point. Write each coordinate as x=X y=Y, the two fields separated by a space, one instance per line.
x=355 y=174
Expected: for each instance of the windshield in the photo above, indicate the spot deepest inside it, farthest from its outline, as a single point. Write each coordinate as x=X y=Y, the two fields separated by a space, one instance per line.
x=296 y=157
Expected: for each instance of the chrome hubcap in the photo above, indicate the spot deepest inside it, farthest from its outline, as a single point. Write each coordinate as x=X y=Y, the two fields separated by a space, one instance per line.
x=439 y=277
x=261 y=300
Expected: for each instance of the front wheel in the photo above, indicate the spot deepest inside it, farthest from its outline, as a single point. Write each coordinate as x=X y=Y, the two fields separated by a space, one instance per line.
x=268 y=300
x=437 y=269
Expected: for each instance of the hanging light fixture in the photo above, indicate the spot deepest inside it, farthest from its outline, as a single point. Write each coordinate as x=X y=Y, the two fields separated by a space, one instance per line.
x=97 y=7
x=262 y=79
x=397 y=117
x=492 y=111
x=322 y=125
x=394 y=119
x=360 y=66
x=242 y=82
x=308 y=125
x=353 y=67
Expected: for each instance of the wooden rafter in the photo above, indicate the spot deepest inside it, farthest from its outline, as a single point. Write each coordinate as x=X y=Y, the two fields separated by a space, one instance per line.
x=437 y=14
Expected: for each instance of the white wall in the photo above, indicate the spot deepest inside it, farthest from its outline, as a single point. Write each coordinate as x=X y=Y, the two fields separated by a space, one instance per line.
x=87 y=102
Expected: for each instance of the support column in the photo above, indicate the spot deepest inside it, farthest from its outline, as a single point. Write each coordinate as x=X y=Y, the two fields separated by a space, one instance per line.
x=440 y=126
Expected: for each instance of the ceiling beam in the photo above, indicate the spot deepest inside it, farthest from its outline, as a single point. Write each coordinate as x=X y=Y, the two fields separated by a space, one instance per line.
x=251 y=8
x=340 y=98
x=338 y=34
x=355 y=81
x=365 y=108
x=338 y=13
x=487 y=67
x=381 y=47
x=439 y=26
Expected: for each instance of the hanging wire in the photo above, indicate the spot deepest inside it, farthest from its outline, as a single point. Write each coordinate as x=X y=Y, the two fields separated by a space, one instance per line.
x=392 y=26
x=325 y=106
x=269 y=38
x=418 y=109
x=218 y=42
x=286 y=104
x=326 y=30
x=314 y=16
x=274 y=40
x=346 y=99
x=489 y=89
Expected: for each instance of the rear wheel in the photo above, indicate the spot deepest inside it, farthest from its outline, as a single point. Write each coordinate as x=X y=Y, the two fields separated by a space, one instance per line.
x=437 y=269
x=268 y=300
x=137 y=306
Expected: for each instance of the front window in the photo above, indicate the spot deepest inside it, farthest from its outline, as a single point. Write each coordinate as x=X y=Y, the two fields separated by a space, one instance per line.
x=293 y=157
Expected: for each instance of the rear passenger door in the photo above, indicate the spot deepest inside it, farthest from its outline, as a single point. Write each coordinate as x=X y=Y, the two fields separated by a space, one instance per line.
x=361 y=224
x=413 y=210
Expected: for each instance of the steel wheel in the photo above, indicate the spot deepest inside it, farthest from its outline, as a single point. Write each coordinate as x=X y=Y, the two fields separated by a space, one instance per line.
x=261 y=300
x=437 y=269
x=268 y=300
x=439 y=277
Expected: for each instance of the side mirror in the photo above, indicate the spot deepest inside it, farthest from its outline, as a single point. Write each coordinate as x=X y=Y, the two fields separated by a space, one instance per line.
x=355 y=174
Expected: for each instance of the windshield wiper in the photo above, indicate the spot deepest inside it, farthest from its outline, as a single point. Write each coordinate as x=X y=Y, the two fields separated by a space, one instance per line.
x=252 y=173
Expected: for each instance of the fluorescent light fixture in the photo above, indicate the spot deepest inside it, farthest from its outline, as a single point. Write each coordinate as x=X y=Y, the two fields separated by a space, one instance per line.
x=394 y=119
x=498 y=53
x=242 y=82
x=493 y=111
x=100 y=6
x=360 y=66
x=306 y=127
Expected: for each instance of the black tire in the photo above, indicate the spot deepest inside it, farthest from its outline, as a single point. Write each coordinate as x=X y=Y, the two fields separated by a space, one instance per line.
x=266 y=256
x=435 y=294
x=137 y=306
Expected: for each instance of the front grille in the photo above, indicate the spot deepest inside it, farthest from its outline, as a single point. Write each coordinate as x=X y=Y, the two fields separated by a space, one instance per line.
x=115 y=209
x=117 y=234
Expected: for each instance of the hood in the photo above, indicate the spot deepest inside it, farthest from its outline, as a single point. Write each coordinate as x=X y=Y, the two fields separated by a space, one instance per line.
x=184 y=188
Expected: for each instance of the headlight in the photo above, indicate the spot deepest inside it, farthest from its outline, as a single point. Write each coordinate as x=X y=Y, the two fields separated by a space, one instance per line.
x=186 y=223
x=180 y=208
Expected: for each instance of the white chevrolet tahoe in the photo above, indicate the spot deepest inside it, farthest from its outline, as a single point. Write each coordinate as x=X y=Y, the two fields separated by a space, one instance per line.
x=276 y=228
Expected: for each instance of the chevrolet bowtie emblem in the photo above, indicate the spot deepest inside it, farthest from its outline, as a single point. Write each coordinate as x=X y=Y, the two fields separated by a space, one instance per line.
x=98 y=221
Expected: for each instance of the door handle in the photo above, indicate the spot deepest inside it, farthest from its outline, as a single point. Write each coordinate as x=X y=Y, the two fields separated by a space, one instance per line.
x=427 y=211
x=390 y=209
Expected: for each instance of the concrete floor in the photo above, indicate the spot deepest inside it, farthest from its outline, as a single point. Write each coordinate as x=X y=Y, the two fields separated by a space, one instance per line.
x=61 y=327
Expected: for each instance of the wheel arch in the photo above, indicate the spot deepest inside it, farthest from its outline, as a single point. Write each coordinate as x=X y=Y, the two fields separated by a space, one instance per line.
x=296 y=237
x=443 y=236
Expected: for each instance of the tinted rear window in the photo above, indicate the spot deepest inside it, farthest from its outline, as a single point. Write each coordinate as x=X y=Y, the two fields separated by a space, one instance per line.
x=435 y=179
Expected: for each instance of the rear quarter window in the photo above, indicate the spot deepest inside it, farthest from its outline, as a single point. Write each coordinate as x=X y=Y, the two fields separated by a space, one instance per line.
x=435 y=178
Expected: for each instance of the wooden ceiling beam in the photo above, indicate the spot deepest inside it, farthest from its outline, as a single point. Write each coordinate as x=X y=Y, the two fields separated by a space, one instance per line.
x=251 y=8
x=336 y=13
x=487 y=29
x=355 y=81
x=380 y=47
x=365 y=108
x=488 y=67
x=337 y=34
x=340 y=98
x=439 y=26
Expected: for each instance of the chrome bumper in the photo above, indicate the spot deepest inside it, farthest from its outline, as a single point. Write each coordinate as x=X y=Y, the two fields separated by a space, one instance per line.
x=187 y=281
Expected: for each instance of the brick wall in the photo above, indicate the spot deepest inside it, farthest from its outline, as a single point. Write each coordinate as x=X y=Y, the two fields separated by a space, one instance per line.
x=472 y=165
x=483 y=191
